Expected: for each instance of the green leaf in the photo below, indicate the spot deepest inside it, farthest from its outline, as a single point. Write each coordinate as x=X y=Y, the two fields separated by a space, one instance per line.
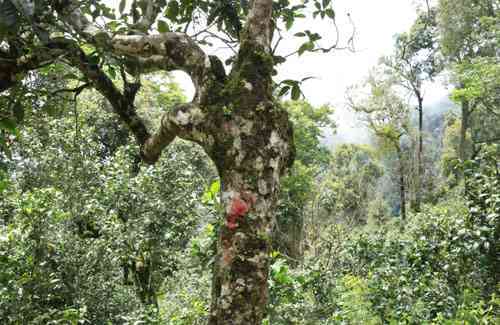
x=113 y=25
x=211 y=193
x=94 y=59
x=307 y=46
x=215 y=187
x=71 y=76
x=172 y=10
x=106 y=12
x=279 y=59
x=314 y=37
x=299 y=34
x=163 y=27
x=283 y=91
x=112 y=72
x=296 y=92
x=4 y=180
x=289 y=82
x=3 y=184
x=121 y=7
x=330 y=13
x=289 y=22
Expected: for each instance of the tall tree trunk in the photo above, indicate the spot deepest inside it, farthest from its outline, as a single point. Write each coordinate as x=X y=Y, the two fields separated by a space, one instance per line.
x=463 y=130
x=254 y=147
x=462 y=150
x=420 y=163
x=402 y=187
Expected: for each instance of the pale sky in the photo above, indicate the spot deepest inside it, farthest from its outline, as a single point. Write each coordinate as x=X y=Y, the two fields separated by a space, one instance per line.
x=376 y=22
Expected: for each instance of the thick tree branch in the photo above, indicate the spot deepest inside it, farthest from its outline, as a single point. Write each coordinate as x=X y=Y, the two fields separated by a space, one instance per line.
x=122 y=105
x=167 y=51
x=182 y=121
x=143 y=53
x=153 y=146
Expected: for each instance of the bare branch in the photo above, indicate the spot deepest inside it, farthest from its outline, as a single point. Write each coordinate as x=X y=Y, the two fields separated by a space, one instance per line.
x=76 y=90
x=230 y=44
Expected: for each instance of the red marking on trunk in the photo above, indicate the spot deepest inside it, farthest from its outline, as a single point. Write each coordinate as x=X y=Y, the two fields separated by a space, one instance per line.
x=238 y=207
x=231 y=222
x=231 y=225
x=238 y=210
